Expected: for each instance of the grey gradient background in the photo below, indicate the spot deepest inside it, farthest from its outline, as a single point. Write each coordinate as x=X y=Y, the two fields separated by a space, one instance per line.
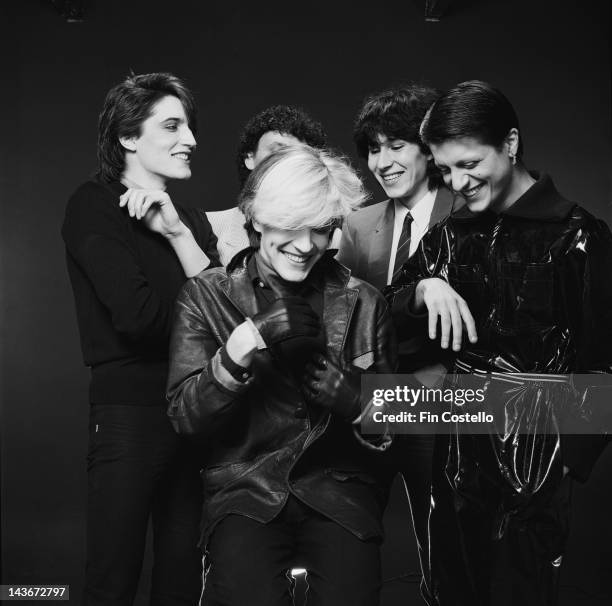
x=551 y=57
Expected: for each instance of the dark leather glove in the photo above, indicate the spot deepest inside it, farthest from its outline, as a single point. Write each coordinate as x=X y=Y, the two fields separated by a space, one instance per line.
x=286 y=318
x=335 y=388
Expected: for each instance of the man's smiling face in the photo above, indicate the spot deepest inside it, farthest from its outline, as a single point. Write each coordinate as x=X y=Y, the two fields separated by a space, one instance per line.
x=291 y=254
x=400 y=167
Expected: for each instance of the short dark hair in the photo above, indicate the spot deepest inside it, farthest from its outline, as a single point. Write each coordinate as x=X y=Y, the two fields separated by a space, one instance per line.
x=396 y=113
x=126 y=107
x=284 y=119
x=471 y=109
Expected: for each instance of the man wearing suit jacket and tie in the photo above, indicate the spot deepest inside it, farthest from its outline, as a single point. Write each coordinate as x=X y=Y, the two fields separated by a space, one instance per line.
x=378 y=239
x=268 y=131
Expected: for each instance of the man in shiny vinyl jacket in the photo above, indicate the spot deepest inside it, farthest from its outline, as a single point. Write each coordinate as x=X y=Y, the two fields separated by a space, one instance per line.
x=536 y=280
x=288 y=479
x=526 y=273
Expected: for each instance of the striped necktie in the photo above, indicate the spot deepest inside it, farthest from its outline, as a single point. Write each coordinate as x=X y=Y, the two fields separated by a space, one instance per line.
x=403 y=247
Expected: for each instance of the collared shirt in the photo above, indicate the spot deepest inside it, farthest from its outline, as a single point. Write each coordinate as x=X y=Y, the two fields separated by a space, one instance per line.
x=310 y=289
x=421 y=213
x=292 y=354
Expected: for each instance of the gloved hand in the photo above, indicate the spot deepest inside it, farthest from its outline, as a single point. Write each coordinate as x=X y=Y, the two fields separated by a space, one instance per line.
x=286 y=318
x=338 y=389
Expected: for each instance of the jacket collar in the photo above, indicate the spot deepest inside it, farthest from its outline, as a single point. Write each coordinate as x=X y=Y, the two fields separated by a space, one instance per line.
x=379 y=250
x=443 y=205
x=327 y=267
x=387 y=217
x=259 y=273
x=541 y=201
x=337 y=309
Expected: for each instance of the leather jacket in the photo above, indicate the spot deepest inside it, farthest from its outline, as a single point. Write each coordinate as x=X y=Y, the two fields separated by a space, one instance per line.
x=537 y=281
x=258 y=449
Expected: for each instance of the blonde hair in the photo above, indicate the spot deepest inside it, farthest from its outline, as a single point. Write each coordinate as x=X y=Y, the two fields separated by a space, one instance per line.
x=298 y=187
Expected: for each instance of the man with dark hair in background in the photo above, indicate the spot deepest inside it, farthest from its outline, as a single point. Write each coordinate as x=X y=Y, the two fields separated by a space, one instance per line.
x=377 y=240
x=266 y=132
x=129 y=249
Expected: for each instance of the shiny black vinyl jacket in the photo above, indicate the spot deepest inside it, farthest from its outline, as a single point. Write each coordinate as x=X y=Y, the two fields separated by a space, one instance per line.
x=538 y=281
x=257 y=449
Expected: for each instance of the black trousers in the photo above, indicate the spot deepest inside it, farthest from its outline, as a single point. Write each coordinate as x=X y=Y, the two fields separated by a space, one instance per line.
x=490 y=546
x=247 y=562
x=412 y=455
x=138 y=469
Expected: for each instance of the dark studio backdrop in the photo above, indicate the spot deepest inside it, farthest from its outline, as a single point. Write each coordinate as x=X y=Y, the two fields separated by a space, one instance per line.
x=551 y=58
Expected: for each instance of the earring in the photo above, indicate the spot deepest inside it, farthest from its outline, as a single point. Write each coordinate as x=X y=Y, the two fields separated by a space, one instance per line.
x=512 y=159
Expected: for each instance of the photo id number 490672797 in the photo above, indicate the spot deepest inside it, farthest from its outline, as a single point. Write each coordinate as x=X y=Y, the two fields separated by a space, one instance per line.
x=34 y=592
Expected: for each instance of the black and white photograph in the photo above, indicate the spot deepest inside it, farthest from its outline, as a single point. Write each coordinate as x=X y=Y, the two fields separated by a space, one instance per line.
x=306 y=303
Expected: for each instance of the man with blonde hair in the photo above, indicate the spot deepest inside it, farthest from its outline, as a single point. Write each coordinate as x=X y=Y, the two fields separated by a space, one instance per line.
x=266 y=367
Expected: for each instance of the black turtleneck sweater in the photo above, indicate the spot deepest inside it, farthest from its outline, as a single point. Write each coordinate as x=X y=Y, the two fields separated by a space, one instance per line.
x=125 y=279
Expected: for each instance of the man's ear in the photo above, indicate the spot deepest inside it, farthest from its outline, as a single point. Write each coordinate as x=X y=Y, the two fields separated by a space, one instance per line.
x=512 y=142
x=128 y=143
x=249 y=161
x=256 y=224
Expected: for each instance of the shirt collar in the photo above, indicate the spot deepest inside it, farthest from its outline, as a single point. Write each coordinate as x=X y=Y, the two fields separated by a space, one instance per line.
x=260 y=276
x=421 y=211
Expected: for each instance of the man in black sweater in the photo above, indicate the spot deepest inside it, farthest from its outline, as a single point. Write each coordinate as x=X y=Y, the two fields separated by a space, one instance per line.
x=129 y=250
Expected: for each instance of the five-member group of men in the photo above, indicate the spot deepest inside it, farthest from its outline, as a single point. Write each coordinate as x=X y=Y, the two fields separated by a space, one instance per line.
x=227 y=351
